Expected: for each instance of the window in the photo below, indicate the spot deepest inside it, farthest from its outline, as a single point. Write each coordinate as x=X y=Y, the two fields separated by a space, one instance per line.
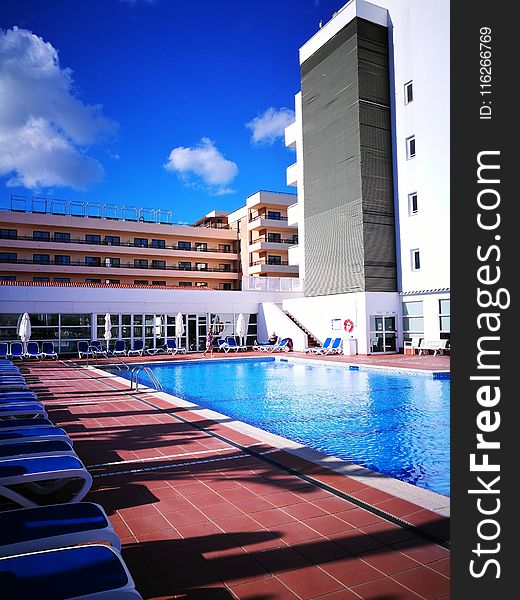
x=223 y=267
x=89 y=280
x=141 y=282
x=141 y=242
x=274 y=214
x=410 y=147
x=41 y=259
x=8 y=257
x=184 y=283
x=112 y=240
x=295 y=238
x=412 y=204
x=158 y=282
x=158 y=264
x=201 y=266
x=44 y=236
x=7 y=277
x=413 y=321
x=158 y=244
x=8 y=234
x=201 y=284
x=112 y=262
x=61 y=236
x=274 y=237
x=92 y=238
x=416 y=260
x=184 y=266
x=140 y=263
x=112 y=281
x=92 y=261
x=224 y=286
x=201 y=246
x=408 y=92
x=61 y=260
x=444 y=319
x=62 y=279
x=274 y=260
x=224 y=247
x=41 y=279
x=184 y=245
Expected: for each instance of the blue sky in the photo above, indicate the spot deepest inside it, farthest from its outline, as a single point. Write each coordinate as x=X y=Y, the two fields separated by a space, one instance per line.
x=168 y=104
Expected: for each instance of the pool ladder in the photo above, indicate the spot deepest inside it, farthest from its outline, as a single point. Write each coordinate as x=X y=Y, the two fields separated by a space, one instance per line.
x=134 y=377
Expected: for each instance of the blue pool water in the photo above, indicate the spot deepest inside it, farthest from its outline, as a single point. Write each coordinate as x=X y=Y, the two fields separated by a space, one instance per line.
x=396 y=424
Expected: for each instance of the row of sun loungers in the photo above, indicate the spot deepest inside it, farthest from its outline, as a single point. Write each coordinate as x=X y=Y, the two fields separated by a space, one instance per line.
x=17 y=350
x=329 y=347
x=62 y=550
x=278 y=346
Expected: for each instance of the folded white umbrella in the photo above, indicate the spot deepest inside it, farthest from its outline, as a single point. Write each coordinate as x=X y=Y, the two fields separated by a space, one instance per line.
x=240 y=328
x=108 y=329
x=179 y=328
x=24 y=330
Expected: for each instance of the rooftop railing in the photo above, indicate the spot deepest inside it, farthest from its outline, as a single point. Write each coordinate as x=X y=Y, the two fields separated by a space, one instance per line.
x=94 y=210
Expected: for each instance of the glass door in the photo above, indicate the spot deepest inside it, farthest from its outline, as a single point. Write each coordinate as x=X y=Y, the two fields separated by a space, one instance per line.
x=383 y=334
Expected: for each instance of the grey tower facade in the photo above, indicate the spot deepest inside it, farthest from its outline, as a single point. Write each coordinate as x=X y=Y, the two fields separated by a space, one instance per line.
x=347 y=156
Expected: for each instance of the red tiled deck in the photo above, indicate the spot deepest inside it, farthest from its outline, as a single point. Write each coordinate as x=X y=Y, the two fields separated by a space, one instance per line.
x=200 y=518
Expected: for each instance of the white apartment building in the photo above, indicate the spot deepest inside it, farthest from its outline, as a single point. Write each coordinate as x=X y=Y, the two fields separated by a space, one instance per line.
x=372 y=173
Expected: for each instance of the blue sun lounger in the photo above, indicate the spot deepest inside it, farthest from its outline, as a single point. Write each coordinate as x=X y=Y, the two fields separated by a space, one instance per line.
x=16 y=350
x=54 y=526
x=20 y=423
x=42 y=475
x=232 y=343
x=48 y=351
x=22 y=410
x=33 y=350
x=137 y=348
x=23 y=395
x=23 y=449
x=87 y=572
x=319 y=349
x=37 y=433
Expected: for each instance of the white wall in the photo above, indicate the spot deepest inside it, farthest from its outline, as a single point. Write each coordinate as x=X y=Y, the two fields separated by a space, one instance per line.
x=271 y=319
x=316 y=313
x=58 y=299
x=420 y=49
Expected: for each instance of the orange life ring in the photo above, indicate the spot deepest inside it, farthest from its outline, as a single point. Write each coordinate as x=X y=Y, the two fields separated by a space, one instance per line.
x=348 y=325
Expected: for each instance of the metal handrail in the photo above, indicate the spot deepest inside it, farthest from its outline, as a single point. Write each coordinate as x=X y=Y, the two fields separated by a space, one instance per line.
x=135 y=377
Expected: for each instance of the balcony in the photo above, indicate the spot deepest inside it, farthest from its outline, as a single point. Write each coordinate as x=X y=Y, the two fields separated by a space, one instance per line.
x=263 y=220
x=103 y=244
x=27 y=265
x=264 y=266
x=292 y=174
x=270 y=243
x=291 y=135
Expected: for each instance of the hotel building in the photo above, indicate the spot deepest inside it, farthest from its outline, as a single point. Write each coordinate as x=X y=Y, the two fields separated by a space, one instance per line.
x=372 y=173
x=365 y=239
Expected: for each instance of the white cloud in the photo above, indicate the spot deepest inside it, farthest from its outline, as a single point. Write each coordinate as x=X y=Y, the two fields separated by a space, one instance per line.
x=270 y=126
x=44 y=126
x=206 y=163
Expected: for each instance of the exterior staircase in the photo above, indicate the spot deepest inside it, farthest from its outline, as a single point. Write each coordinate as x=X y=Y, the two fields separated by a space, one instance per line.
x=312 y=340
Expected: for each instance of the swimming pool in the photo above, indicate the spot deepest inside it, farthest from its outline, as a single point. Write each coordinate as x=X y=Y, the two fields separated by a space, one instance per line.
x=393 y=423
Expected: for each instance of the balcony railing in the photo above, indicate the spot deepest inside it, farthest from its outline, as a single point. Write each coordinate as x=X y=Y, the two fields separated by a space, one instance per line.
x=281 y=263
x=268 y=217
x=102 y=264
x=264 y=238
x=31 y=238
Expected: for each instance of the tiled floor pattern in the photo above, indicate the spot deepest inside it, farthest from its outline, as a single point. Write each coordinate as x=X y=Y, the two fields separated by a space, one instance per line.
x=199 y=518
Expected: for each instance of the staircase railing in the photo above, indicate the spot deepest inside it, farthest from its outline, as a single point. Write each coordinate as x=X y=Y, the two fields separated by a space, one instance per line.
x=302 y=327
